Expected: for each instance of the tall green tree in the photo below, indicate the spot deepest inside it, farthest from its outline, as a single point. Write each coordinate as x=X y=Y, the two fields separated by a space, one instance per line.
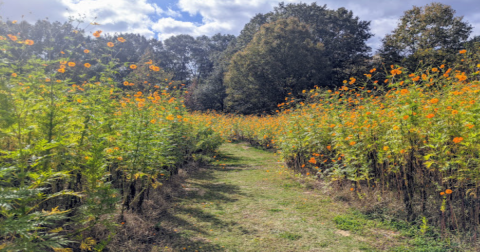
x=209 y=93
x=431 y=33
x=282 y=58
x=343 y=35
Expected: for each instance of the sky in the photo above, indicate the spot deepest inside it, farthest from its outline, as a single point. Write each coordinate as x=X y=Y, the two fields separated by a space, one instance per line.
x=161 y=19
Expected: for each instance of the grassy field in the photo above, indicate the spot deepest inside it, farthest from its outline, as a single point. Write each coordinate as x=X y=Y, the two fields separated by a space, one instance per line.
x=248 y=201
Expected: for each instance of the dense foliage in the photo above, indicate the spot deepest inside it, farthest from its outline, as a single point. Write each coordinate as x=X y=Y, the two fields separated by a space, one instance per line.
x=432 y=34
x=417 y=138
x=280 y=59
x=76 y=149
x=90 y=126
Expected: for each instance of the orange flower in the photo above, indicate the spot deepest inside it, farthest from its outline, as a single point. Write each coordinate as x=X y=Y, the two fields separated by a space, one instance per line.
x=87 y=65
x=448 y=191
x=351 y=189
x=312 y=160
x=352 y=80
x=14 y=75
x=86 y=51
x=385 y=148
x=405 y=117
x=373 y=70
x=133 y=66
x=110 y=44
x=442 y=193
x=352 y=143
x=395 y=72
x=430 y=116
x=125 y=83
x=434 y=69
x=97 y=34
x=71 y=64
x=29 y=42
x=121 y=39
x=417 y=78
x=329 y=147
x=457 y=139
x=12 y=37
x=434 y=100
x=61 y=70
x=462 y=51
x=454 y=112
x=461 y=77
x=404 y=91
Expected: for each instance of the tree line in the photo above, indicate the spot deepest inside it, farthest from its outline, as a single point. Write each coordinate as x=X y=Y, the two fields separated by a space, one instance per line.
x=293 y=48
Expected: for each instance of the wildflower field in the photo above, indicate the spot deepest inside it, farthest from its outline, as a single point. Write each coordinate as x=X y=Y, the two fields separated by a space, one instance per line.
x=413 y=136
x=75 y=153
x=86 y=138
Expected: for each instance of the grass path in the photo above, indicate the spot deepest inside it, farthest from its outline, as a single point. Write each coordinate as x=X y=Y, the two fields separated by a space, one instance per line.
x=248 y=202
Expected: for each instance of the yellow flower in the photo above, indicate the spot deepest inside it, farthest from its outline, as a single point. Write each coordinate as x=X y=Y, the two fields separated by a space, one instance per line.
x=86 y=51
x=61 y=70
x=121 y=39
x=385 y=148
x=71 y=64
x=87 y=65
x=110 y=44
x=133 y=66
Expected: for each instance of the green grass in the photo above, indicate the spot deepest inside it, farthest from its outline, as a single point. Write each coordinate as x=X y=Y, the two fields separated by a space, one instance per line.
x=247 y=201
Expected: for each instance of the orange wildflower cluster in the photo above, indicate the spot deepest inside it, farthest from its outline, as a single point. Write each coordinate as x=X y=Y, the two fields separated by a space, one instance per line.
x=97 y=34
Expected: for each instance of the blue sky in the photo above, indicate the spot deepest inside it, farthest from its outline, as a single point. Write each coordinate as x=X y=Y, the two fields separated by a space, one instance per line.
x=161 y=19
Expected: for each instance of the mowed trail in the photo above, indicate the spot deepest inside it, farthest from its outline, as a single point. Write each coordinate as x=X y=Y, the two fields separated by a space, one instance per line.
x=247 y=201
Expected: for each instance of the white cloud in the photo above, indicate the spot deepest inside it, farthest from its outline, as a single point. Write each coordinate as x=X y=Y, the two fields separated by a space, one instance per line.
x=117 y=15
x=218 y=16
